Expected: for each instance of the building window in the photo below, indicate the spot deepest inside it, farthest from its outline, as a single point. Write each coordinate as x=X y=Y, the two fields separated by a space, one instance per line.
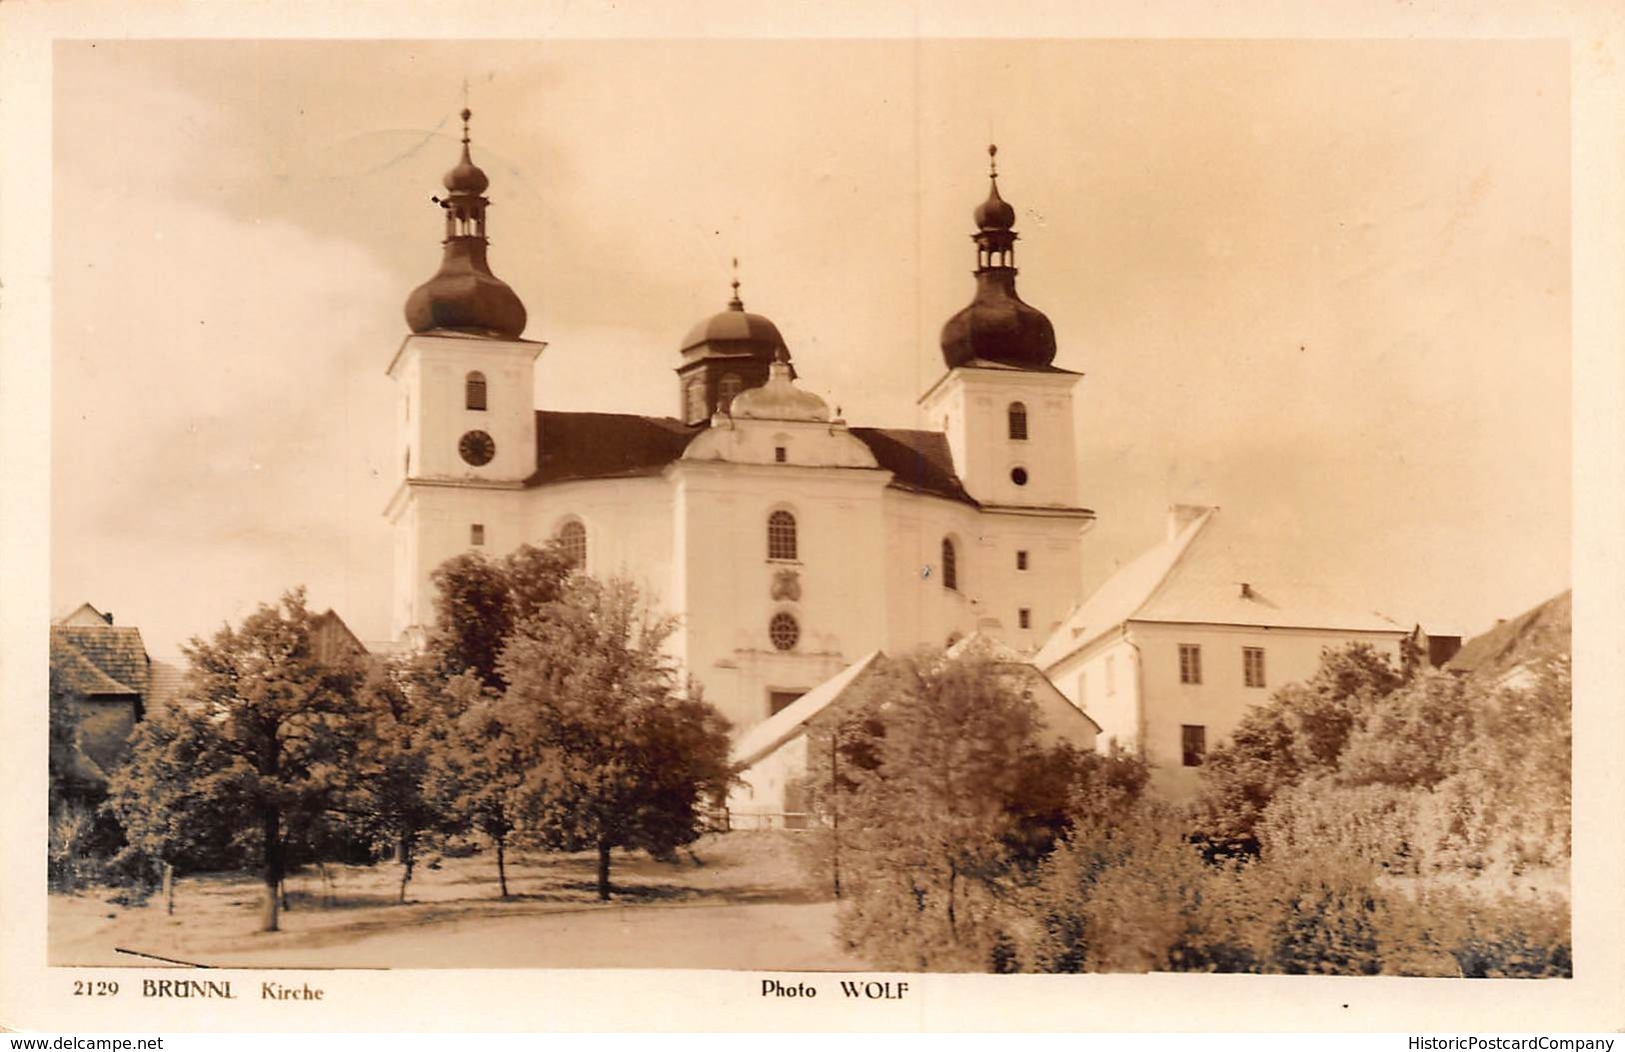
x=476 y=534
x=1252 y=666
x=1193 y=743
x=779 y=700
x=784 y=631
x=781 y=536
x=1190 y=663
x=1024 y=617
x=1018 y=476
x=1111 y=675
x=1018 y=421
x=573 y=541
x=727 y=387
x=1021 y=560
x=950 y=565
x=780 y=454
x=474 y=391
x=1083 y=689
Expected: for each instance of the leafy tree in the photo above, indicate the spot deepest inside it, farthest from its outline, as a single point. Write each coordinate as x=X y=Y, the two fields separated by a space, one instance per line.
x=1299 y=733
x=407 y=724
x=479 y=768
x=258 y=747
x=1414 y=737
x=63 y=727
x=613 y=754
x=478 y=601
x=473 y=616
x=937 y=793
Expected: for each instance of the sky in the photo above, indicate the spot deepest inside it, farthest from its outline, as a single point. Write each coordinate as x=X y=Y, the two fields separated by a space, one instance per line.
x=1322 y=284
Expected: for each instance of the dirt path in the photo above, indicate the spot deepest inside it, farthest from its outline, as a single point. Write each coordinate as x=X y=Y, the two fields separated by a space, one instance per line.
x=752 y=937
x=739 y=902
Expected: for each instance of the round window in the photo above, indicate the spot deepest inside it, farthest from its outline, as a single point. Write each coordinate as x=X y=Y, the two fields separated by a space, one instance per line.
x=1018 y=476
x=784 y=631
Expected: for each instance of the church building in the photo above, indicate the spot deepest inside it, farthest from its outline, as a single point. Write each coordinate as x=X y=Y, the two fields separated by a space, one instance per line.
x=790 y=542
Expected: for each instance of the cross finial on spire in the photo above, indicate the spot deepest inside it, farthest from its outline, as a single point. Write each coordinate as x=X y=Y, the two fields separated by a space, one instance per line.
x=736 y=303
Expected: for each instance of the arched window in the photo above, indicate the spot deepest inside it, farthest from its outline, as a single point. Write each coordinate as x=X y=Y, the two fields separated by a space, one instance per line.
x=1018 y=421
x=573 y=540
x=950 y=565
x=781 y=536
x=727 y=387
x=474 y=391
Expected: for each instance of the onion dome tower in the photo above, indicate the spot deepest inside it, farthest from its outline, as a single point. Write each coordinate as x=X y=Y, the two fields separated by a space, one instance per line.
x=464 y=296
x=997 y=328
x=725 y=354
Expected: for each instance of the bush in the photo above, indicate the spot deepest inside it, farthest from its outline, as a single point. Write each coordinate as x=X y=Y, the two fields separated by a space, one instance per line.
x=1378 y=824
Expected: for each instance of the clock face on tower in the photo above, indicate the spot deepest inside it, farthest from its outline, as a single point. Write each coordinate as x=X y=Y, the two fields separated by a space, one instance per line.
x=477 y=448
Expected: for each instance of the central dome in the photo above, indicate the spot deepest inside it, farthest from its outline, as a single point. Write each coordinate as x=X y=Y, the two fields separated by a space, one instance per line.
x=736 y=326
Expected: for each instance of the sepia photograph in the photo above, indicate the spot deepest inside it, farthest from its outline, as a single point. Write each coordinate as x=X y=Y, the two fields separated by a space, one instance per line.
x=825 y=507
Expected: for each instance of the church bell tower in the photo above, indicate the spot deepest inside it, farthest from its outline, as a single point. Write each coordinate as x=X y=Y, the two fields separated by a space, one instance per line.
x=1006 y=409
x=465 y=406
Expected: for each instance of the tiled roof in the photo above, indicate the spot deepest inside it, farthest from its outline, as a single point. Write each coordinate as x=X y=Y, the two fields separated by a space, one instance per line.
x=78 y=674
x=1196 y=577
x=1116 y=600
x=1542 y=632
x=918 y=460
x=572 y=446
x=115 y=650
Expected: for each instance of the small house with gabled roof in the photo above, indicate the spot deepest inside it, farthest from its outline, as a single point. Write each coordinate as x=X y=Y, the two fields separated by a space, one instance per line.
x=1170 y=652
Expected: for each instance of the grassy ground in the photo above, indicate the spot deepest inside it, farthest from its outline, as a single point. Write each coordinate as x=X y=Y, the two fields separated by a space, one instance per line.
x=737 y=900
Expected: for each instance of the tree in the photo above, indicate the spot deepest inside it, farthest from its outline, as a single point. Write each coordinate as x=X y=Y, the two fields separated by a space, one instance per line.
x=1299 y=733
x=407 y=725
x=474 y=767
x=479 y=768
x=613 y=754
x=473 y=616
x=256 y=750
x=942 y=797
x=478 y=601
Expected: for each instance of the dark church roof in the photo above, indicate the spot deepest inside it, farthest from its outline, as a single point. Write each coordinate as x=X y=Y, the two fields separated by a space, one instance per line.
x=574 y=446
x=918 y=460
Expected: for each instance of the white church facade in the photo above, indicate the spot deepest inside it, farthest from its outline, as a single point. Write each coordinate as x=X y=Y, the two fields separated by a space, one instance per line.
x=790 y=542
x=793 y=544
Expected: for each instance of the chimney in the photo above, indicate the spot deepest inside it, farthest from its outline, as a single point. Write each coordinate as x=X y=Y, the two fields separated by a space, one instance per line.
x=1182 y=515
x=1246 y=590
x=108 y=617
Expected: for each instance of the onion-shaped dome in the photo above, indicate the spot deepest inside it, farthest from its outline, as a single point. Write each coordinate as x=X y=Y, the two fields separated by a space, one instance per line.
x=993 y=214
x=779 y=398
x=467 y=177
x=464 y=296
x=999 y=327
